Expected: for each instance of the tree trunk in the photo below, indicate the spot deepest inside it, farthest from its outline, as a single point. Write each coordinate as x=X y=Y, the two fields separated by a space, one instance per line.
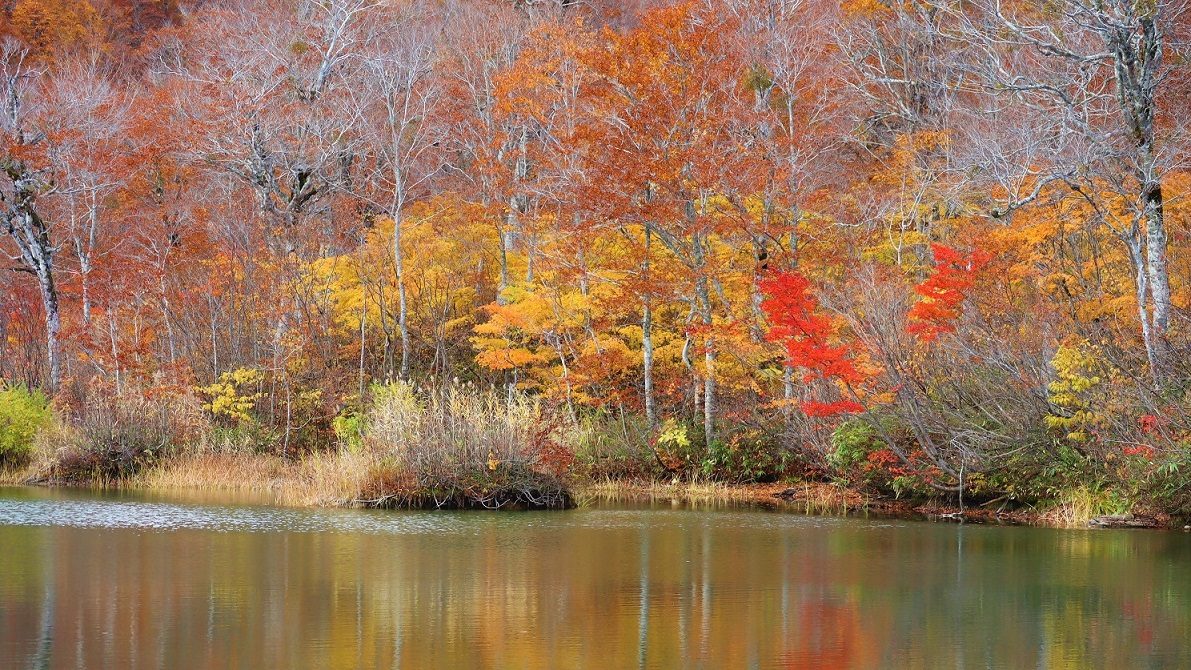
x=1159 y=281
x=787 y=369
x=115 y=346
x=85 y=287
x=708 y=380
x=503 y=239
x=402 y=306
x=363 y=343
x=53 y=325
x=171 y=337
x=647 y=340
x=1136 y=47
x=31 y=233
x=1141 y=280
x=703 y=298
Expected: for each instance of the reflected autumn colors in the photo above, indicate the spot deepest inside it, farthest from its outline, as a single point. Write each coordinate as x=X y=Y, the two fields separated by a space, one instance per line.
x=126 y=583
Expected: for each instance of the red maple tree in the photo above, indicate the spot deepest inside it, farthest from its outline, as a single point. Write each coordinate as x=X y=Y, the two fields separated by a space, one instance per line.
x=807 y=337
x=943 y=293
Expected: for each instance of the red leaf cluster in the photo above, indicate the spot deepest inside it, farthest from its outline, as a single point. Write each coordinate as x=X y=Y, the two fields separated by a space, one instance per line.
x=807 y=337
x=943 y=293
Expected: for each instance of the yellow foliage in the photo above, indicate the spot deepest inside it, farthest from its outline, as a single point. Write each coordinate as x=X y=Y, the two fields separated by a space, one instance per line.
x=1076 y=390
x=229 y=396
x=865 y=8
x=447 y=250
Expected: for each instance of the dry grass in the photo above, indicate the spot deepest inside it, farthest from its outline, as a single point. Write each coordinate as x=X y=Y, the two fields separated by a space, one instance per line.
x=454 y=445
x=322 y=479
x=343 y=479
x=824 y=498
x=47 y=445
x=1076 y=507
x=214 y=471
x=15 y=476
x=693 y=491
x=326 y=479
x=459 y=446
x=698 y=491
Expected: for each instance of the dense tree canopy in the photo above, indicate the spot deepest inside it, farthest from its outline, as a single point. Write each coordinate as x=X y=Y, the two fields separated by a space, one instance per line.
x=761 y=219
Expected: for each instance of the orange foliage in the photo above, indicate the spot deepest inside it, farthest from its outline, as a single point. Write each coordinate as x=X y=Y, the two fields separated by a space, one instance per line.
x=52 y=25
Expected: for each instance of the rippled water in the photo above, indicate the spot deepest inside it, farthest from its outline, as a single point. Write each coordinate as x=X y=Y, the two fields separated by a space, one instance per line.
x=133 y=582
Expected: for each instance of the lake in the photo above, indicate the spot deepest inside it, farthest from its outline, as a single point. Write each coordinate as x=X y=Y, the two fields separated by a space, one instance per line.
x=132 y=581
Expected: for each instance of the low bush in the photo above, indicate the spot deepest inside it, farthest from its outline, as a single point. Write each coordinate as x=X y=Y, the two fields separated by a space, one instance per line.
x=609 y=447
x=118 y=435
x=679 y=447
x=295 y=419
x=677 y=450
x=458 y=447
x=23 y=413
x=746 y=455
x=250 y=438
x=851 y=444
x=348 y=427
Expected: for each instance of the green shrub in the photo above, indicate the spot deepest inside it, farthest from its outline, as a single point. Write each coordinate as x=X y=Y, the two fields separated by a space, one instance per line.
x=851 y=443
x=679 y=446
x=349 y=429
x=608 y=446
x=249 y=438
x=23 y=412
x=745 y=456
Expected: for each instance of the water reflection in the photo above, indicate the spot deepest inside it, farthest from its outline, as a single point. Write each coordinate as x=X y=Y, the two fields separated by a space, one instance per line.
x=88 y=582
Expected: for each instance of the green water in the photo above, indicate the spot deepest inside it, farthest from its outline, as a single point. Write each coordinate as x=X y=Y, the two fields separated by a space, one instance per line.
x=132 y=582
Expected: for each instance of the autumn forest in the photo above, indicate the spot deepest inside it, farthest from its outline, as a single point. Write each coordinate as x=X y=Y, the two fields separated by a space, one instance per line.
x=921 y=249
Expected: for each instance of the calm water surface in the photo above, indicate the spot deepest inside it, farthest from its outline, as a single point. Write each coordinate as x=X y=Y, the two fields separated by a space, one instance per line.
x=89 y=581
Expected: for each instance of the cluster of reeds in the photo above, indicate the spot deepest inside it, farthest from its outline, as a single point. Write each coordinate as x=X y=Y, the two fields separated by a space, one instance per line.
x=117 y=435
x=459 y=446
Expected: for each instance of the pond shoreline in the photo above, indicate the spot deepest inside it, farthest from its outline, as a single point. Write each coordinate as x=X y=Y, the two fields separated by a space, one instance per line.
x=822 y=498
x=323 y=482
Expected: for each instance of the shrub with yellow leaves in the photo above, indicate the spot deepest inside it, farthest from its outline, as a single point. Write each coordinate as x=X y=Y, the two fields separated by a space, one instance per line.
x=231 y=395
x=1077 y=393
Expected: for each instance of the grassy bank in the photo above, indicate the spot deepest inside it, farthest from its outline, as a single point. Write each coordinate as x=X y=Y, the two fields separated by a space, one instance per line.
x=802 y=497
x=459 y=447
x=451 y=448
x=346 y=479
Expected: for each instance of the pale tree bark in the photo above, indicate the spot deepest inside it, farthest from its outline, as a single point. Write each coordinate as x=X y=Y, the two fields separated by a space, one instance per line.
x=36 y=254
x=799 y=135
x=402 y=297
x=87 y=114
x=335 y=21
x=647 y=337
x=482 y=42
x=692 y=250
x=703 y=298
x=1132 y=33
x=20 y=212
x=280 y=121
x=1092 y=85
x=397 y=104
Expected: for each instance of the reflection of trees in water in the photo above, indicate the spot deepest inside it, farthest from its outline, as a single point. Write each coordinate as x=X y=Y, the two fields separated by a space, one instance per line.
x=595 y=589
x=643 y=590
x=45 y=633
